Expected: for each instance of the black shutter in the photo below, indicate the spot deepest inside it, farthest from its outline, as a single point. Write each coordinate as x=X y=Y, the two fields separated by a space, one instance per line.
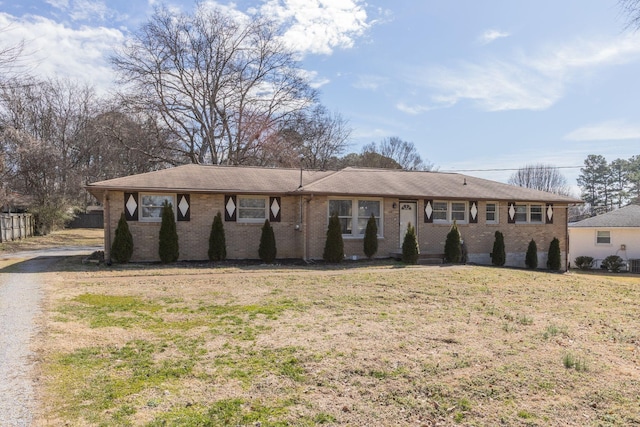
x=511 y=213
x=131 y=206
x=428 y=211
x=548 y=213
x=275 y=209
x=230 y=207
x=473 y=212
x=184 y=207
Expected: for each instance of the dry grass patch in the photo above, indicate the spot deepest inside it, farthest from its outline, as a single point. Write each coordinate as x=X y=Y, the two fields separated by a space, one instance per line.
x=381 y=345
x=76 y=237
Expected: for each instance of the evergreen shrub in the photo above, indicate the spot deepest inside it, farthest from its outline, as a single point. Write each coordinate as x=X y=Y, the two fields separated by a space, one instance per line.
x=498 y=255
x=122 y=246
x=531 y=259
x=371 y=237
x=452 y=245
x=267 y=250
x=410 y=249
x=217 y=241
x=334 y=245
x=554 y=258
x=168 y=248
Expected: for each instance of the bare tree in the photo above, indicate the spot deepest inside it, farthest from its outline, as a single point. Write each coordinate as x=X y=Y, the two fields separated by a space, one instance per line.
x=631 y=8
x=221 y=84
x=42 y=124
x=541 y=177
x=402 y=152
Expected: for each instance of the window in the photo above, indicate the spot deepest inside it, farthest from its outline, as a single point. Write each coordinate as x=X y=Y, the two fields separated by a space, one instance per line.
x=492 y=213
x=252 y=208
x=535 y=213
x=151 y=206
x=358 y=212
x=440 y=211
x=529 y=213
x=446 y=212
x=603 y=237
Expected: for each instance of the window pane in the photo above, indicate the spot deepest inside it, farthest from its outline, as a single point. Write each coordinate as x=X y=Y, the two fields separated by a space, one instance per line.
x=521 y=213
x=458 y=211
x=252 y=203
x=536 y=213
x=341 y=207
x=368 y=207
x=603 y=237
x=151 y=205
x=440 y=211
x=252 y=208
x=491 y=212
x=345 y=224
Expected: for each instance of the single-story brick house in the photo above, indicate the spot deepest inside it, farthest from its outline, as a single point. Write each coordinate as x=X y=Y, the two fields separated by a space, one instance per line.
x=298 y=204
x=613 y=233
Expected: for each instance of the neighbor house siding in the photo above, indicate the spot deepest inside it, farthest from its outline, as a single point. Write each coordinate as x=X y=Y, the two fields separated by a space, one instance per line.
x=582 y=242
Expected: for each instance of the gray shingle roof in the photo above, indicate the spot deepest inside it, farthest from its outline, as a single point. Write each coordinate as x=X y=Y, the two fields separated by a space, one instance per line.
x=346 y=182
x=628 y=216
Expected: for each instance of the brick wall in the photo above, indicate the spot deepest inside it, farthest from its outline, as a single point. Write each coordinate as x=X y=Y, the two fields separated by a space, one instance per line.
x=243 y=239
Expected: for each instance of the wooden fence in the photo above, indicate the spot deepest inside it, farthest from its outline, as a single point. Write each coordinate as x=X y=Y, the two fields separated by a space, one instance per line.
x=16 y=226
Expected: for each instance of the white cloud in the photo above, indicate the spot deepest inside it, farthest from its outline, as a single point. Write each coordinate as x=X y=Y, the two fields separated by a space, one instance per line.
x=413 y=110
x=491 y=35
x=524 y=82
x=606 y=131
x=53 y=49
x=369 y=82
x=318 y=26
x=85 y=10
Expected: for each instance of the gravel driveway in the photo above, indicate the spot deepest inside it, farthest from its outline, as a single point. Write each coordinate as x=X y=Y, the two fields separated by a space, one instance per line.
x=20 y=300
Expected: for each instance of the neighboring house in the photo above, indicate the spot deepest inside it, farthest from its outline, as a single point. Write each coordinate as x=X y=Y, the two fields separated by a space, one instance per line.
x=298 y=204
x=613 y=233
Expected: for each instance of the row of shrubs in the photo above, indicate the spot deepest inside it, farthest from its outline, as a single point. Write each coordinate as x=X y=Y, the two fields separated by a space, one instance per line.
x=168 y=249
x=612 y=263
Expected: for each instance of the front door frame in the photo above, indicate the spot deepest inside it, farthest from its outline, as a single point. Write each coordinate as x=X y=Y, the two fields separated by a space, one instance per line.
x=402 y=227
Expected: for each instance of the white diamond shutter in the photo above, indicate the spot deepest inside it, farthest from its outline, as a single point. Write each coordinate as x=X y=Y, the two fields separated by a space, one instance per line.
x=511 y=217
x=230 y=207
x=275 y=209
x=473 y=212
x=549 y=213
x=428 y=211
x=131 y=206
x=184 y=207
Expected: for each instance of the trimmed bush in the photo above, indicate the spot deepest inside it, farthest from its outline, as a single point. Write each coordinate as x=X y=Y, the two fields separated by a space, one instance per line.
x=612 y=263
x=498 y=255
x=267 y=250
x=334 y=245
x=554 y=258
x=410 y=249
x=168 y=248
x=584 y=262
x=371 y=237
x=531 y=259
x=217 y=241
x=452 y=246
x=122 y=247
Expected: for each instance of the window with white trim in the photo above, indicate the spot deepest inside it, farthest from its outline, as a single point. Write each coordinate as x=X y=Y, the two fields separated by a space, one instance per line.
x=533 y=214
x=491 y=212
x=603 y=237
x=447 y=212
x=252 y=208
x=151 y=206
x=356 y=212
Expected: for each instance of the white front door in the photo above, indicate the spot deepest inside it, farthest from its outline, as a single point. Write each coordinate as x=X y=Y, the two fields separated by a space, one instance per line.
x=408 y=214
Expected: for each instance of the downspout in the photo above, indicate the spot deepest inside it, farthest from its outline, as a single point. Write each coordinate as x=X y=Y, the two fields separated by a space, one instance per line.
x=107 y=228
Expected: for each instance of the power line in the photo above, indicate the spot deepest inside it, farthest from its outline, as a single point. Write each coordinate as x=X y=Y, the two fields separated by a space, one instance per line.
x=509 y=169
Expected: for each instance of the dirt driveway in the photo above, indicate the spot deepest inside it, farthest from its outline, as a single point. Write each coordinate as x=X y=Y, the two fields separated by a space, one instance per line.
x=20 y=305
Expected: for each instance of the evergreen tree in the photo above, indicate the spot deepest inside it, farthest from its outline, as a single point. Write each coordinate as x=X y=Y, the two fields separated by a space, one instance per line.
x=371 y=237
x=554 y=258
x=217 y=241
x=410 y=249
x=122 y=247
x=334 y=245
x=498 y=255
x=452 y=246
x=267 y=250
x=531 y=259
x=168 y=248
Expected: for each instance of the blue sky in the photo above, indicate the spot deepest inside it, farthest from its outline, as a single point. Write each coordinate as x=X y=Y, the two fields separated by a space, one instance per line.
x=475 y=85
